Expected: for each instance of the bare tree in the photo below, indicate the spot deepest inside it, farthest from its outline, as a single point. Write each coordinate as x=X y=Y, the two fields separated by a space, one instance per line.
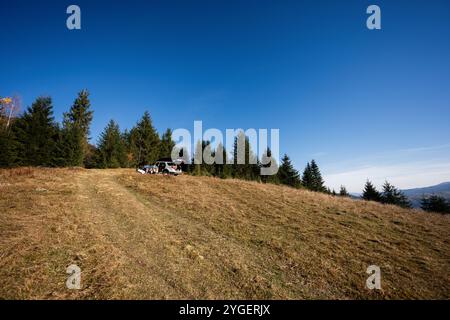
x=9 y=109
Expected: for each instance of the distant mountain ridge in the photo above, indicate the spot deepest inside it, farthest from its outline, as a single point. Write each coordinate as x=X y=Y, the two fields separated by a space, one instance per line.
x=416 y=194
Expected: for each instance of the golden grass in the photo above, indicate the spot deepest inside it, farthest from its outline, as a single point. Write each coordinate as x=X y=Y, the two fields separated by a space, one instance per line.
x=160 y=237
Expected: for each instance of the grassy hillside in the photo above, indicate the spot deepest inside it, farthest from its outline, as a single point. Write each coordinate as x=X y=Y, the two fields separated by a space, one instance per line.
x=159 y=237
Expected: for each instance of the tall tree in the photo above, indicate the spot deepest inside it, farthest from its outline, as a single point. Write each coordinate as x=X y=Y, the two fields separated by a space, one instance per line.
x=287 y=174
x=312 y=178
x=166 y=145
x=307 y=177
x=370 y=193
x=317 y=182
x=37 y=134
x=222 y=170
x=245 y=163
x=72 y=145
x=111 y=148
x=76 y=128
x=197 y=160
x=268 y=161
x=435 y=203
x=144 y=142
x=391 y=195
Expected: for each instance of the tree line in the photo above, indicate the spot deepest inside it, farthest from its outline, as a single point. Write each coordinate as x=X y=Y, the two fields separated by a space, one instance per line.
x=34 y=138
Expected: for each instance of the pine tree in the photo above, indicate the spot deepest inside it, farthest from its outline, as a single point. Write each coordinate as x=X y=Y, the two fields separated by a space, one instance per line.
x=37 y=134
x=8 y=149
x=370 y=193
x=144 y=142
x=166 y=145
x=76 y=129
x=312 y=178
x=435 y=203
x=222 y=170
x=343 y=192
x=391 y=195
x=287 y=174
x=245 y=163
x=72 y=146
x=207 y=169
x=267 y=161
x=307 y=177
x=197 y=161
x=317 y=181
x=111 y=148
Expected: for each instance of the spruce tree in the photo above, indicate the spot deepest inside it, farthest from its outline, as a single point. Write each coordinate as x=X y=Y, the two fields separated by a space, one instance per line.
x=222 y=170
x=144 y=142
x=245 y=163
x=317 y=181
x=287 y=174
x=307 y=177
x=391 y=195
x=267 y=161
x=72 y=145
x=197 y=161
x=435 y=203
x=111 y=148
x=166 y=145
x=37 y=135
x=76 y=129
x=207 y=169
x=370 y=193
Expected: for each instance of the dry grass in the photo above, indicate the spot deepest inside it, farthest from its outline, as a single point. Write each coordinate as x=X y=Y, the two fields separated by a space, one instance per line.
x=158 y=237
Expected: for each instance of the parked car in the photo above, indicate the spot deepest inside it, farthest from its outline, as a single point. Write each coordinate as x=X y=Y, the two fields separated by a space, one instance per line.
x=168 y=167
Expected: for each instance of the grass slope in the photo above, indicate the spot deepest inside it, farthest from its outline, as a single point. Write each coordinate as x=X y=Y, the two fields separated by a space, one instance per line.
x=159 y=237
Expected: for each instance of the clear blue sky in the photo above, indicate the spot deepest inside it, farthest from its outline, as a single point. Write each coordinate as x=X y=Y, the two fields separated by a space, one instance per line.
x=365 y=104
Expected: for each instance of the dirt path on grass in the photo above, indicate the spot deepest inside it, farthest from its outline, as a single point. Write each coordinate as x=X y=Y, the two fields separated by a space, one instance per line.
x=153 y=251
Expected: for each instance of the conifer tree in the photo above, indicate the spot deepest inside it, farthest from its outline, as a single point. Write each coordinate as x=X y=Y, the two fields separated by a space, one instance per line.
x=72 y=146
x=197 y=161
x=391 y=195
x=245 y=163
x=166 y=145
x=268 y=161
x=37 y=134
x=144 y=142
x=287 y=174
x=111 y=148
x=222 y=170
x=307 y=177
x=370 y=193
x=76 y=129
x=317 y=181
x=312 y=178
x=435 y=203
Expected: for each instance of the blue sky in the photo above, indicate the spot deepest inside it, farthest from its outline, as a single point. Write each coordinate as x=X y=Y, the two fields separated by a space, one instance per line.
x=364 y=104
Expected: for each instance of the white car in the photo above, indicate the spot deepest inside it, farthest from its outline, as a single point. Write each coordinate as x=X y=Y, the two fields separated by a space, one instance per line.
x=167 y=167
